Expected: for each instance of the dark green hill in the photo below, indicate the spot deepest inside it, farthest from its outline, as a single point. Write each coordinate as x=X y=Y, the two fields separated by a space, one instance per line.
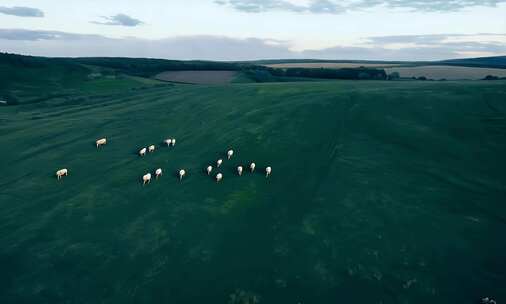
x=28 y=79
x=25 y=78
x=489 y=62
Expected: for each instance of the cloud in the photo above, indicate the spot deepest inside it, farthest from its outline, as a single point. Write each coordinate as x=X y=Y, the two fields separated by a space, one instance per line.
x=418 y=47
x=440 y=5
x=34 y=35
x=62 y=44
x=119 y=19
x=258 y=6
x=21 y=11
x=407 y=54
x=427 y=39
x=337 y=7
x=325 y=6
x=412 y=47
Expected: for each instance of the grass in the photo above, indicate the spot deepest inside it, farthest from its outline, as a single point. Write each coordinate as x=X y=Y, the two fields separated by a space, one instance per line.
x=386 y=192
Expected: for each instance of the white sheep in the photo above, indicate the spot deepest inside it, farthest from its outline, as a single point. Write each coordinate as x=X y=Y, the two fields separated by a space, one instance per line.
x=62 y=172
x=151 y=148
x=101 y=142
x=146 y=178
x=173 y=141
x=168 y=141
x=219 y=162
x=219 y=177
x=182 y=173
x=268 y=171
x=488 y=300
x=142 y=152
x=252 y=167
x=209 y=169
x=239 y=170
x=158 y=172
x=230 y=153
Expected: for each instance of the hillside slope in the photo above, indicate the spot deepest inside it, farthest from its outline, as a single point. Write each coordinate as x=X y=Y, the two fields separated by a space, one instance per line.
x=498 y=62
x=387 y=192
x=28 y=79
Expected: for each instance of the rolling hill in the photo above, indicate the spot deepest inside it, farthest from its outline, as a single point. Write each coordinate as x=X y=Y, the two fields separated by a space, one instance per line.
x=381 y=192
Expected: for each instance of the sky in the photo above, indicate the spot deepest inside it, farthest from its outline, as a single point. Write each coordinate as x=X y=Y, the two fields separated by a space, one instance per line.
x=255 y=29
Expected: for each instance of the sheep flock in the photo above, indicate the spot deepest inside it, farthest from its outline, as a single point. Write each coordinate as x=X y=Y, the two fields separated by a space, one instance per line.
x=171 y=142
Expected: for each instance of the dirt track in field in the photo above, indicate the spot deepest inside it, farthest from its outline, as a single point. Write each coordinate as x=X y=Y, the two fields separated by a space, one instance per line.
x=198 y=77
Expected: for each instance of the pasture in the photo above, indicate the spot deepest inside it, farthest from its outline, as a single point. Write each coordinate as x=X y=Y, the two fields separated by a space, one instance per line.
x=381 y=192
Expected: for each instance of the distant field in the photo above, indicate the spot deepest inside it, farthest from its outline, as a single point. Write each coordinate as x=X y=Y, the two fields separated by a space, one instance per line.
x=198 y=77
x=447 y=72
x=429 y=71
x=329 y=65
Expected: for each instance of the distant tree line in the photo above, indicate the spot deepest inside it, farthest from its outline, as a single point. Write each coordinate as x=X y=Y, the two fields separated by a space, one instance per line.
x=492 y=77
x=361 y=73
x=146 y=67
x=14 y=60
x=263 y=74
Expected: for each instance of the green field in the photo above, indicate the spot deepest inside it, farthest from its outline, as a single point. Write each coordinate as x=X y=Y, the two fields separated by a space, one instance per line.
x=382 y=192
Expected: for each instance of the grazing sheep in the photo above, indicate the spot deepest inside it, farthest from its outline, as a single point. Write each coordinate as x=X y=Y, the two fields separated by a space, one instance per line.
x=158 y=172
x=168 y=141
x=219 y=177
x=488 y=300
x=230 y=153
x=101 y=142
x=146 y=178
x=62 y=172
x=252 y=167
x=209 y=169
x=268 y=171
x=142 y=152
x=182 y=173
x=173 y=141
x=219 y=162
x=151 y=148
x=239 y=170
